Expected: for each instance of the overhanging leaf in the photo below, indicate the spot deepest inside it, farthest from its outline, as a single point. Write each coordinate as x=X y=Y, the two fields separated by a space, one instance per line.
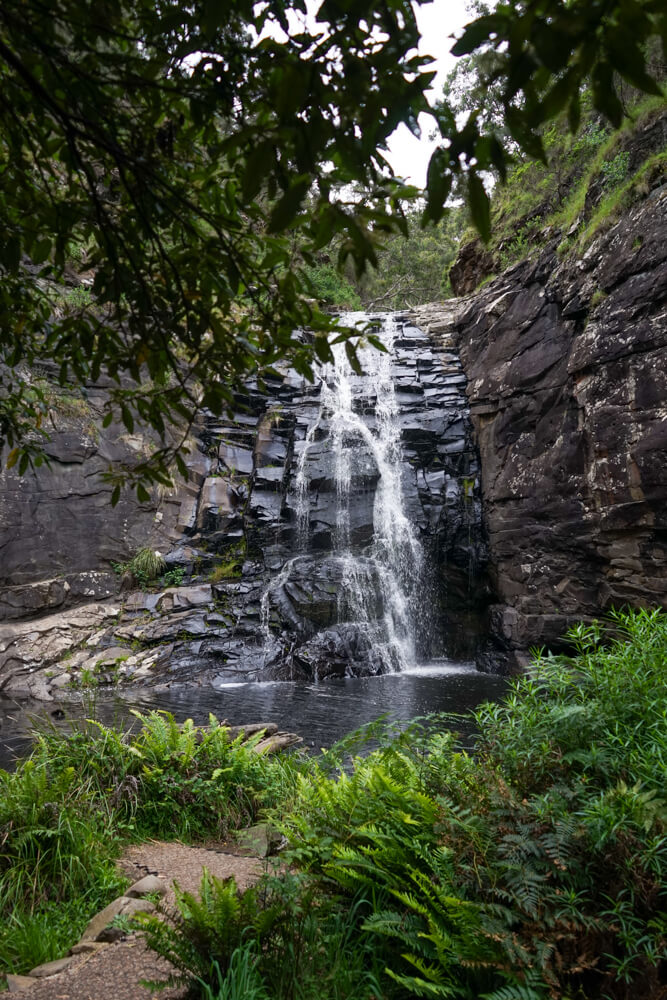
x=287 y=208
x=480 y=208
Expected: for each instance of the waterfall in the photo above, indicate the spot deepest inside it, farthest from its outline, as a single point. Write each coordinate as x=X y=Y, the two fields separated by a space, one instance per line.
x=379 y=577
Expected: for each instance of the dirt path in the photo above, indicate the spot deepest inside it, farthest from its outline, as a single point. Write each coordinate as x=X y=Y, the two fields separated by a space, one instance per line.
x=116 y=970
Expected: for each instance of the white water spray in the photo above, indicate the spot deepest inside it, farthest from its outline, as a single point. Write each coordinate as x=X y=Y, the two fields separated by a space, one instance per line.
x=380 y=584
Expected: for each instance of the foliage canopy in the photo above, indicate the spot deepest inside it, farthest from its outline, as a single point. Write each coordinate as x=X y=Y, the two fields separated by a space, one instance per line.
x=187 y=163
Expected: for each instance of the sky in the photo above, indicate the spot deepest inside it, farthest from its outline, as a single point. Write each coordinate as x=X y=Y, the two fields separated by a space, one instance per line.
x=437 y=22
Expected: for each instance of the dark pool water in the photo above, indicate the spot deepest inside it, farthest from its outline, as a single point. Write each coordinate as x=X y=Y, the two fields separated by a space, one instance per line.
x=320 y=713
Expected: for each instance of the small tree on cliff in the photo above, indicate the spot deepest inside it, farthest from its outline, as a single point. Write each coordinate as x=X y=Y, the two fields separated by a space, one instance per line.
x=164 y=153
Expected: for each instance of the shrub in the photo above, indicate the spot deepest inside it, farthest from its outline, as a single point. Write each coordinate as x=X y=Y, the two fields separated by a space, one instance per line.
x=50 y=836
x=280 y=938
x=147 y=565
x=56 y=862
x=173 y=577
x=615 y=170
x=330 y=286
x=144 y=567
x=170 y=779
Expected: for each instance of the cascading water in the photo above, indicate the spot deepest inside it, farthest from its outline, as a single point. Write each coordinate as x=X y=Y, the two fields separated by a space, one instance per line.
x=379 y=579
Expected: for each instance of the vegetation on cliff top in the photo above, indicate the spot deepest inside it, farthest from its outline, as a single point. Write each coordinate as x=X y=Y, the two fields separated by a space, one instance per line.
x=412 y=268
x=534 y=869
x=586 y=182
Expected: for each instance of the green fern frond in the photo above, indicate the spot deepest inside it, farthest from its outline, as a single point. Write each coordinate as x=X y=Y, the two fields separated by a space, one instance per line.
x=515 y=992
x=423 y=988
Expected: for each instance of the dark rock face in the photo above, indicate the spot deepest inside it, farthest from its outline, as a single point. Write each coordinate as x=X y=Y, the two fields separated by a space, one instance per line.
x=567 y=383
x=473 y=263
x=59 y=534
x=267 y=586
x=287 y=614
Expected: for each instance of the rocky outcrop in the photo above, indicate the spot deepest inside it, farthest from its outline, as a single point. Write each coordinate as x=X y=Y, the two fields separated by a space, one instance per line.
x=59 y=535
x=255 y=596
x=567 y=385
x=473 y=264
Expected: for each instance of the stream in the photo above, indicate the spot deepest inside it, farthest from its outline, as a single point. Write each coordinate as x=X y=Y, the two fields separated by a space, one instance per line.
x=320 y=713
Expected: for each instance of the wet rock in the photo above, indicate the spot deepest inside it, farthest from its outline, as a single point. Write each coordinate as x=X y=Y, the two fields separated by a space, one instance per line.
x=269 y=477
x=217 y=503
x=236 y=459
x=184 y=597
x=341 y=651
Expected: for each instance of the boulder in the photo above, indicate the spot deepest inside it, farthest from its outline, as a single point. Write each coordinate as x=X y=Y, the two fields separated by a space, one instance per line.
x=51 y=968
x=122 y=906
x=146 y=886
x=259 y=841
x=15 y=984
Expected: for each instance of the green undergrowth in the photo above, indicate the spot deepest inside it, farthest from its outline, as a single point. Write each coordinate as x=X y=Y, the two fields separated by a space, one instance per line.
x=148 y=571
x=331 y=287
x=229 y=565
x=66 y=812
x=624 y=195
x=534 y=869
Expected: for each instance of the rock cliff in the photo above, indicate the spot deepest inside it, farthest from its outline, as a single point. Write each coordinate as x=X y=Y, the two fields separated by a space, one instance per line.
x=259 y=595
x=567 y=383
x=554 y=374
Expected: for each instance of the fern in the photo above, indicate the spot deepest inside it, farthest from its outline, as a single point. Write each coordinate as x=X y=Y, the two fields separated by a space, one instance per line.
x=514 y=992
x=206 y=928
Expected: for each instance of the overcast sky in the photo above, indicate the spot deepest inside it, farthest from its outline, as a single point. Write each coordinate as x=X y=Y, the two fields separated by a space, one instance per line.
x=437 y=21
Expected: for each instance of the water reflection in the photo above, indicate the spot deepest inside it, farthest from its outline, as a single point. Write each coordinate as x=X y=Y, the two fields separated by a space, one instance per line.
x=320 y=713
